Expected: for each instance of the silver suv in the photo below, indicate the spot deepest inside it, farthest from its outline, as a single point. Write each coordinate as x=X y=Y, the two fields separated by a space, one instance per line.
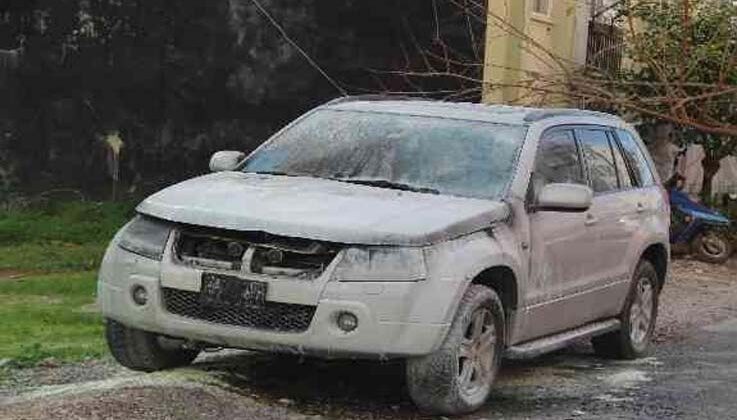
x=449 y=235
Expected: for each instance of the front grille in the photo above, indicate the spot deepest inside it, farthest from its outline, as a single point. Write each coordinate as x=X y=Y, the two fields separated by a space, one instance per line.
x=253 y=252
x=281 y=317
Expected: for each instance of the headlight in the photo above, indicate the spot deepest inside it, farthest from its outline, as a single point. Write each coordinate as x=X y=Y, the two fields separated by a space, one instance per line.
x=381 y=264
x=146 y=237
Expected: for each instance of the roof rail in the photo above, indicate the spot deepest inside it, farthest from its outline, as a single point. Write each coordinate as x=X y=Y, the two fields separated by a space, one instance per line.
x=536 y=116
x=373 y=98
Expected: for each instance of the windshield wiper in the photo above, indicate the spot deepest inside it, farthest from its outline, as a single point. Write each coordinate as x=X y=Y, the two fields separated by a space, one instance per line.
x=382 y=183
x=276 y=173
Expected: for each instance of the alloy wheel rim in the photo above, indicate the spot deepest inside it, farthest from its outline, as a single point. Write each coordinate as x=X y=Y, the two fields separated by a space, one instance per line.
x=641 y=312
x=477 y=353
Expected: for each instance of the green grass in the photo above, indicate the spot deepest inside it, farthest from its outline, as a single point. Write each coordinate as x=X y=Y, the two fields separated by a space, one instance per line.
x=67 y=236
x=50 y=316
x=49 y=311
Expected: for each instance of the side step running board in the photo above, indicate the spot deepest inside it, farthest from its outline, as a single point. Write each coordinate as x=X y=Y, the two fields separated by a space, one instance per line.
x=535 y=348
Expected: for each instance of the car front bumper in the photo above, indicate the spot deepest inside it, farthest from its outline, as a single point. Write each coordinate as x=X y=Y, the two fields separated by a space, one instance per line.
x=386 y=325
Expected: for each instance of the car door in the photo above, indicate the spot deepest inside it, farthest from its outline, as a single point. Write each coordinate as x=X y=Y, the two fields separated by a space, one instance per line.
x=611 y=223
x=558 y=240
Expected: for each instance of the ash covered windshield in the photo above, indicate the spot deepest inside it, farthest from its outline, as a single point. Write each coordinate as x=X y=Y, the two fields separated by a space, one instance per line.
x=425 y=154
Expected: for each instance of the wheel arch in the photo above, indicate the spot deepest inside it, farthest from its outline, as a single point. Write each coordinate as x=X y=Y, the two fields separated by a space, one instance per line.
x=503 y=280
x=658 y=255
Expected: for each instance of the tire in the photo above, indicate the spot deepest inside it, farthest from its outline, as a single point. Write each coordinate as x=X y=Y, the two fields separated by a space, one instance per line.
x=435 y=381
x=144 y=351
x=634 y=339
x=712 y=247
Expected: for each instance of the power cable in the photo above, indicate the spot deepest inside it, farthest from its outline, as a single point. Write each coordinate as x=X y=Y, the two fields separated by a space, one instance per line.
x=307 y=57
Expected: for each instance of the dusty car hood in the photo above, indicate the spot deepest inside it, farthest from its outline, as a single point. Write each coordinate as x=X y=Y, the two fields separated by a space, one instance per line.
x=321 y=209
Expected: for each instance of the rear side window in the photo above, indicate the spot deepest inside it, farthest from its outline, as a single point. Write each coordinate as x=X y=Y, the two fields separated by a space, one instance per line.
x=626 y=180
x=558 y=160
x=598 y=153
x=636 y=158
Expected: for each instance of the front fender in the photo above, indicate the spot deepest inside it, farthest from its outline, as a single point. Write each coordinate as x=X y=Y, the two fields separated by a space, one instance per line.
x=456 y=263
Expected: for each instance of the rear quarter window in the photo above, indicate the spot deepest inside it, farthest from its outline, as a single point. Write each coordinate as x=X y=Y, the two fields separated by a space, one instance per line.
x=626 y=180
x=637 y=159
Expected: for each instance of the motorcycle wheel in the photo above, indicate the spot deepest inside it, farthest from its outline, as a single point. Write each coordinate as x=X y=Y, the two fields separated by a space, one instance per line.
x=712 y=247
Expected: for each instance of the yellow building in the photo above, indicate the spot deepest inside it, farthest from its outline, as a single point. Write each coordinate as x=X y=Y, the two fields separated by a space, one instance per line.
x=529 y=42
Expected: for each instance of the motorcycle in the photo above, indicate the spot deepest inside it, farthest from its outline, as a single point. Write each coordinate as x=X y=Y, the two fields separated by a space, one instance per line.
x=695 y=226
x=700 y=227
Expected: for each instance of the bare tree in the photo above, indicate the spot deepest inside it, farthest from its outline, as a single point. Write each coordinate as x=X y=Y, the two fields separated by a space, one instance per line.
x=679 y=67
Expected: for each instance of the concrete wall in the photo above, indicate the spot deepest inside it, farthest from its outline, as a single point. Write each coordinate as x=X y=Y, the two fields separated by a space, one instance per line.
x=521 y=44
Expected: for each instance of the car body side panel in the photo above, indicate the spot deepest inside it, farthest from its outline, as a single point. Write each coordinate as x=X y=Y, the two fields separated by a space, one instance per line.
x=617 y=235
x=654 y=225
x=546 y=309
x=559 y=250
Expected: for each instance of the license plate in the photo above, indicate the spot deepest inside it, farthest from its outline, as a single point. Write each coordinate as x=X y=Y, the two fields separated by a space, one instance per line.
x=228 y=291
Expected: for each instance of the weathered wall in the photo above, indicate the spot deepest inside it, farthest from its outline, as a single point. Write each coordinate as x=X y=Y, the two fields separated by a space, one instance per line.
x=512 y=60
x=724 y=182
x=664 y=152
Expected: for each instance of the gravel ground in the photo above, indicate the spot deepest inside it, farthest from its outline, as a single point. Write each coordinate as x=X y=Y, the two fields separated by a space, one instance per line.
x=697 y=294
x=568 y=384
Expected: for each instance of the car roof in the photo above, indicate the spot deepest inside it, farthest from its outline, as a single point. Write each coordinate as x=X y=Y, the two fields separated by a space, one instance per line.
x=503 y=114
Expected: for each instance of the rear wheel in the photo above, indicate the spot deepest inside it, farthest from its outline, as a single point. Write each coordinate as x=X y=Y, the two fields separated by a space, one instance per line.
x=145 y=351
x=712 y=246
x=457 y=378
x=633 y=340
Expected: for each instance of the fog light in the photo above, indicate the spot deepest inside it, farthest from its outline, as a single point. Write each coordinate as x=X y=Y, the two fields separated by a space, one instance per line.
x=140 y=295
x=347 y=321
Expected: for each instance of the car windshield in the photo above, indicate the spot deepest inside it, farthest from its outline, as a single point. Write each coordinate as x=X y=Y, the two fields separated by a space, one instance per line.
x=414 y=153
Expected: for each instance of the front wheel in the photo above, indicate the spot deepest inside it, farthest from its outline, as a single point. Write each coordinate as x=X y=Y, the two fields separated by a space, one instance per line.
x=712 y=246
x=457 y=378
x=145 y=351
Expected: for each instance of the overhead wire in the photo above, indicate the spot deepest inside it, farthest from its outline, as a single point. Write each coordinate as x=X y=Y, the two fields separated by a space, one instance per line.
x=296 y=46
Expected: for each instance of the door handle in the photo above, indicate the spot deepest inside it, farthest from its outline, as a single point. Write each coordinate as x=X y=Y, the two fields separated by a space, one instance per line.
x=640 y=208
x=591 y=220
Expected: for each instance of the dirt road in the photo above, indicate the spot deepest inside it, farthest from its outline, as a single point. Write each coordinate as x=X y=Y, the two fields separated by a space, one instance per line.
x=691 y=375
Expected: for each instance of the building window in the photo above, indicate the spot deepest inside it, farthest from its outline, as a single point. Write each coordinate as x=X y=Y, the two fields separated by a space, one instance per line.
x=541 y=7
